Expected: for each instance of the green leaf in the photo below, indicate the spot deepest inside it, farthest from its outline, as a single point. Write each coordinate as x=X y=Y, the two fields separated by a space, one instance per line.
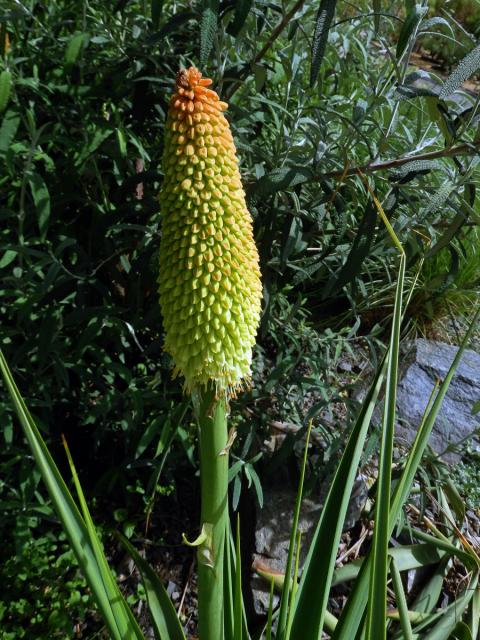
x=377 y=604
x=242 y=8
x=461 y=632
x=287 y=584
x=447 y=236
x=353 y=613
x=428 y=597
x=5 y=88
x=454 y=498
x=8 y=130
x=238 y=603
x=449 y=616
x=74 y=47
x=324 y=19
x=279 y=180
x=314 y=588
x=7 y=258
x=208 y=29
x=96 y=141
x=76 y=529
x=156 y=7
x=409 y=29
x=466 y=68
x=176 y=21
x=359 y=251
x=122 y=614
x=165 y=621
x=41 y=198
x=401 y=600
x=406 y=557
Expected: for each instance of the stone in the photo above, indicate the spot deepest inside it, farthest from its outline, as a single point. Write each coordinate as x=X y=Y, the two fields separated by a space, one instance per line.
x=274 y=521
x=424 y=362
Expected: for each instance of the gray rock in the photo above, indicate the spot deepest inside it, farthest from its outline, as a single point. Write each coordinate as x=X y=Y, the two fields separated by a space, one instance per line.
x=424 y=363
x=272 y=537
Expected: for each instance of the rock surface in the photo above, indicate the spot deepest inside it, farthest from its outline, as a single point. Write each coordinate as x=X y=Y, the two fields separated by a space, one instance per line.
x=424 y=363
x=272 y=536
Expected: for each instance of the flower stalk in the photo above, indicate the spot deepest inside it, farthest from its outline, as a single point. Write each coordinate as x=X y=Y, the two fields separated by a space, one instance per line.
x=210 y=296
x=213 y=439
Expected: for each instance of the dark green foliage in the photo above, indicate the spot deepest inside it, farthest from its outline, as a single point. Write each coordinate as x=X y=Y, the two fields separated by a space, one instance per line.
x=43 y=596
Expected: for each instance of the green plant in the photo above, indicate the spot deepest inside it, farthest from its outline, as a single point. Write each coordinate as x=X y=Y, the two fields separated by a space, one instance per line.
x=44 y=595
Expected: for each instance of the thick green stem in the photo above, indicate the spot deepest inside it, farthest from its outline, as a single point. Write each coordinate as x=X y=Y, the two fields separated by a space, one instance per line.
x=213 y=437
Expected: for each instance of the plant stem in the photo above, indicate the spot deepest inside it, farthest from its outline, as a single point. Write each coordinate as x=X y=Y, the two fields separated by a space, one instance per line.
x=465 y=149
x=213 y=438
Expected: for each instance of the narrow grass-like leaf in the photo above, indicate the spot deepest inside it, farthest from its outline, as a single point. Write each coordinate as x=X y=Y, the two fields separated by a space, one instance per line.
x=359 y=251
x=401 y=600
x=238 y=617
x=354 y=609
x=421 y=440
x=466 y=68
x=72 y=521
x=285 y=597
x=447 y=236
x=126 y=623
x=164 y=617
x=475 y=614
x=228 y=586
x=469 y=559
x=294 y=589
x=270 y=611
x=318 y=568
x=406 y=557
x=324 y=19
x=428 y=597
x=377 y=609
x=448 y=617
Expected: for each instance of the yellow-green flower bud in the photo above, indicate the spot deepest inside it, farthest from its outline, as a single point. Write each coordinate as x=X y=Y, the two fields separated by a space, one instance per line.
x=209 y=280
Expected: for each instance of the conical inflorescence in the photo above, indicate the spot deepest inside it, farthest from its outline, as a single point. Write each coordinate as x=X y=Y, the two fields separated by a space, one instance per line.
x=209 y=279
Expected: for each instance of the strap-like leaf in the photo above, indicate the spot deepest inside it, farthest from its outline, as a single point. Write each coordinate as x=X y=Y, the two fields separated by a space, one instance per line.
x=104 y=592
x=164 y=617
x=314 y=588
